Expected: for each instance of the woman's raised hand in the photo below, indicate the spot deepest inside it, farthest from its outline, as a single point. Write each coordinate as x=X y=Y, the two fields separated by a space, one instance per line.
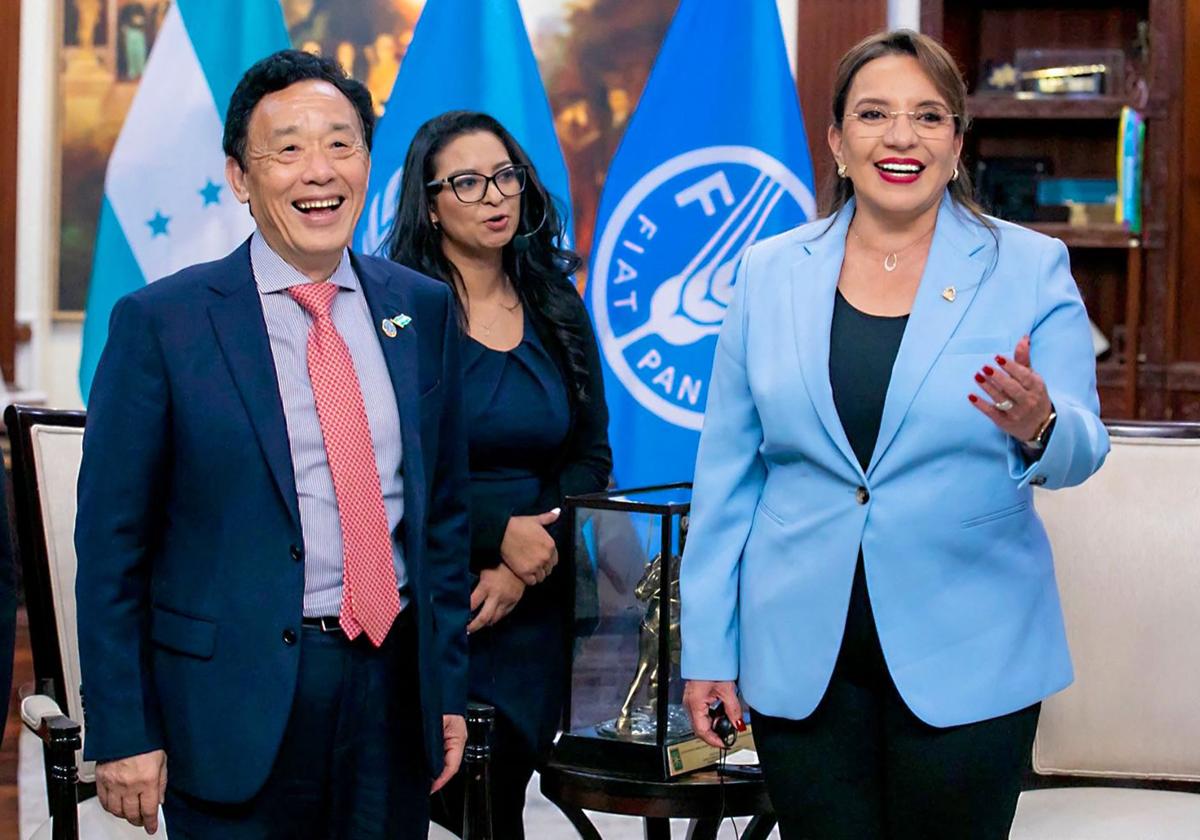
x=1020 y=404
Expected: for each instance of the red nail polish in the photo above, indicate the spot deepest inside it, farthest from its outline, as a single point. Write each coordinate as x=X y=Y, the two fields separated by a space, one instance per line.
x=979 y=378
x=739 y=725
x=989 y=370
x=1000 y=360
x=972 y=398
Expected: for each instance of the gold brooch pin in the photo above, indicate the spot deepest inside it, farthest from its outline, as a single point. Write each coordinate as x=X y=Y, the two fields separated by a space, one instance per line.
x=949 y=294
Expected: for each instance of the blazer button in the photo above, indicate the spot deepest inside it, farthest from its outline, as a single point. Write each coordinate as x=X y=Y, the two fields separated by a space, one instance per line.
x=289 y=636
x=296 y=552
x=862 y=496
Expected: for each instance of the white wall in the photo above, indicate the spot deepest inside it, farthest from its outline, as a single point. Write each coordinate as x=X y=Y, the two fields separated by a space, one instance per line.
x=904 y=14
x=50 y=362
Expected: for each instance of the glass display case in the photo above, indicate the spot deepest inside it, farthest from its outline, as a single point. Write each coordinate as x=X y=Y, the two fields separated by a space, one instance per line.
x=624 y=708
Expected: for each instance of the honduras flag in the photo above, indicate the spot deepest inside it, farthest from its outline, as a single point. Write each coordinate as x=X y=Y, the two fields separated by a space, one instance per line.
x=166 y=205
x=714 y=159
x=471 y=56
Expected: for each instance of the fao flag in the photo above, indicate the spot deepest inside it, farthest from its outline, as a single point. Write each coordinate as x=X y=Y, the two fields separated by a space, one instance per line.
x=714 y=159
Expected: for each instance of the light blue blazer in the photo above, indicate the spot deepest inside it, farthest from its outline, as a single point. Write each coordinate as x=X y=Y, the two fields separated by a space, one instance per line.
x=957 y=562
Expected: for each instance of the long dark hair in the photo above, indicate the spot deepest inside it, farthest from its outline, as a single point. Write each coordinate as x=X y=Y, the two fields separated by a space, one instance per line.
x=540 y=269
x=939 y=66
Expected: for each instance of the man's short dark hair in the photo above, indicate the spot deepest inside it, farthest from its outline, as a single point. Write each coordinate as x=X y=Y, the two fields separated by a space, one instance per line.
x=282 y=70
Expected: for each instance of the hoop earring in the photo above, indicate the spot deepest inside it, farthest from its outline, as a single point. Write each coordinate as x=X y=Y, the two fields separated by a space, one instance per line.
x=841 y=170
x=954 y=177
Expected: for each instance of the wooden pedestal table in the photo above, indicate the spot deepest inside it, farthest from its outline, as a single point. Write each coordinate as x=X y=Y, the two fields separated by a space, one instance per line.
x=704 y=797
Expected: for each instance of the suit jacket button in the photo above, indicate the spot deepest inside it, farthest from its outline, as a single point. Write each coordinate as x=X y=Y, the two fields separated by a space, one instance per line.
x=289 y=636
x=296 y=552
x=862 y=496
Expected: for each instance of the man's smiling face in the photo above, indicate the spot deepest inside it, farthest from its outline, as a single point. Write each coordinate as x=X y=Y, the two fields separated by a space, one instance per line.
x=305 y=174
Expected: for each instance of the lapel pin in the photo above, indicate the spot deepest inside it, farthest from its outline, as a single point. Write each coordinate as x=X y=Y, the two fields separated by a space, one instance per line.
x=402 y=320
x=389 y=329
x=949 y=294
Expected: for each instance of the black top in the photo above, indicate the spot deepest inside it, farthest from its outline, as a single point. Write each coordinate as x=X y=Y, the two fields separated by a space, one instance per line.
x=579 y=462
x=862 y=351
x=517 y=418
x=531 y=442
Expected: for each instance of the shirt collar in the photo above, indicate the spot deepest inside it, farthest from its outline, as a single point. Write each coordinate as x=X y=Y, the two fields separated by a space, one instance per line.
x=272 y=273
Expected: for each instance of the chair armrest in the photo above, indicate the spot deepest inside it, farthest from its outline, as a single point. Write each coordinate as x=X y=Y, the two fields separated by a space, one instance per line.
x=43 y=717
x=61 y=739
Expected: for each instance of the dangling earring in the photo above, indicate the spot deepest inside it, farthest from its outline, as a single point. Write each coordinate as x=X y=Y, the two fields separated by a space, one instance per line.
x=435 y=224
x=841 y=170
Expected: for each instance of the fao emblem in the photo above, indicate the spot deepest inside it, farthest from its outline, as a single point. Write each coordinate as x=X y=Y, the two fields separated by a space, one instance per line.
x=381 y=212
x=664 y=269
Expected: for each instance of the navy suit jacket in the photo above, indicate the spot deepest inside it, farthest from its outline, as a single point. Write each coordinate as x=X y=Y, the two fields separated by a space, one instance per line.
x=191 y=579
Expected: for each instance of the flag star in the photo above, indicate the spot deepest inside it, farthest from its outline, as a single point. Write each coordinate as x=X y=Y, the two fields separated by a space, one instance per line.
x=158 y=225
x=211 y=193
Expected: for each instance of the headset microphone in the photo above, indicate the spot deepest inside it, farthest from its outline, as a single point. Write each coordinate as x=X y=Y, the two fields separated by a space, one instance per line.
x=523 y=241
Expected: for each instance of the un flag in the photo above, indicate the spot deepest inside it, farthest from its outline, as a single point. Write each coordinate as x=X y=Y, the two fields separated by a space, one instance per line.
x=714 y=159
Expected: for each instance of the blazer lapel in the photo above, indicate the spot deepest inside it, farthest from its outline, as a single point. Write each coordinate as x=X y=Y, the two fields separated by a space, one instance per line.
x=387 y=299
x=814 y=283
x=958 y=257
x=241 y=332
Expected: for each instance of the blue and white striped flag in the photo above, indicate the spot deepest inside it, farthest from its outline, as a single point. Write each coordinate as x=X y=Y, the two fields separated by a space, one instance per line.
x=713 y=159
x=166 y=205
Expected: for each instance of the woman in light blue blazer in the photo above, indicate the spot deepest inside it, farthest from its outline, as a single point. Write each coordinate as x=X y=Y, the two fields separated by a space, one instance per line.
x=864 y=560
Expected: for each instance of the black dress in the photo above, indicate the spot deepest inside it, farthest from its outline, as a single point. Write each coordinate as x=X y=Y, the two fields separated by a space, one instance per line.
x=517 y=419
x=531 y=442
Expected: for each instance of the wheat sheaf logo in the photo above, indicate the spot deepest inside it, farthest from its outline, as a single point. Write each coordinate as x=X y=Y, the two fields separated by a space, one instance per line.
x=664 y=269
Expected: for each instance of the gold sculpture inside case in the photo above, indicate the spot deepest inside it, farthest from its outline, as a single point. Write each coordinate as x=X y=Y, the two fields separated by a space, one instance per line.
x=624 y=700
x=638 y=722
x=648 y=591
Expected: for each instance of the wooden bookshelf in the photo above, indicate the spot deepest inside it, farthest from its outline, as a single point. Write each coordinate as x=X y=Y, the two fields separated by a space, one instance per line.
x=1128 y=281
x=1090 y=236
x=993 y=106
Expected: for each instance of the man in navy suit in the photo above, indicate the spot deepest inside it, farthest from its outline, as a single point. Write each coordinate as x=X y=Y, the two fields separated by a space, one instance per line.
x=272 y=523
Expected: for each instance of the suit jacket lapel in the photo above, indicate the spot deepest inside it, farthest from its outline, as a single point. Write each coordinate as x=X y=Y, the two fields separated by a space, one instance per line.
x=241 y=333
x=814 y=282
x=386 y=299
x=958 y=257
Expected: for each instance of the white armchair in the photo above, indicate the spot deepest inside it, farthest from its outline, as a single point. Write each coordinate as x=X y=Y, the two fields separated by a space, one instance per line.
x=1117 y=754
x=46 y=449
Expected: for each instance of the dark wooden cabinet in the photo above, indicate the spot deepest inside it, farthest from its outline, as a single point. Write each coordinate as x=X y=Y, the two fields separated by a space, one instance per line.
x=10 y=60
x=1130 y=283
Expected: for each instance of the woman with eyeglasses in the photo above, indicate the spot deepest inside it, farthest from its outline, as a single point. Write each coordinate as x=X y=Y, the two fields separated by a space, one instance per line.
x=473 y=213
x=864 y=560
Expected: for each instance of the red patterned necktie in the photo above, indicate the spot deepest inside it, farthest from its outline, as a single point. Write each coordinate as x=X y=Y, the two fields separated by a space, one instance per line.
x=370 y=599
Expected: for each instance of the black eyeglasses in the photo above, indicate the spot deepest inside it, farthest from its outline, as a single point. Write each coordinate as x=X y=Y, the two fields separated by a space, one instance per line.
x=471 y=187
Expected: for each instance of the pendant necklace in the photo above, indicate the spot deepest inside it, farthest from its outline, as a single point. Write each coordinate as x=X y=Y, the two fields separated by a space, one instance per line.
x=893 y=257
x=502 y=308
